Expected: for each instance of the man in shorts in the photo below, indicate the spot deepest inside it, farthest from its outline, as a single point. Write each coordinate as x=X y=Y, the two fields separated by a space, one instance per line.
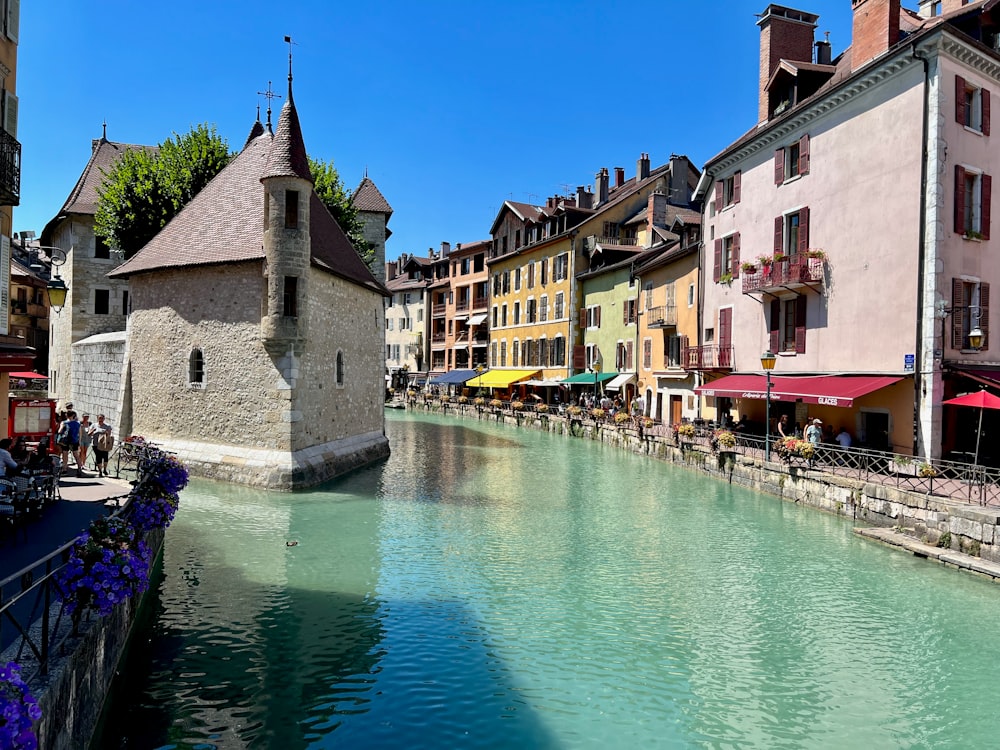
x=69 y=441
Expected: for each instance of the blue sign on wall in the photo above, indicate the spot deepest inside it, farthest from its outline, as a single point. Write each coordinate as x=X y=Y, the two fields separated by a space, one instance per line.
x=909 y=362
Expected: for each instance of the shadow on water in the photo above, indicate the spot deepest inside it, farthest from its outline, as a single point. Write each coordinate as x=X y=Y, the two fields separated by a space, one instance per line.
x=238 y=657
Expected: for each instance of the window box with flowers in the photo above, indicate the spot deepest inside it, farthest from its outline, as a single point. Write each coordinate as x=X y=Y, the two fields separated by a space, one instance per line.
x=791 y=448
x=684 y=435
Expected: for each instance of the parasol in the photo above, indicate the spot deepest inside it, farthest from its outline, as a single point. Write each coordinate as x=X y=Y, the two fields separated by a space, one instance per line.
x=983 y=400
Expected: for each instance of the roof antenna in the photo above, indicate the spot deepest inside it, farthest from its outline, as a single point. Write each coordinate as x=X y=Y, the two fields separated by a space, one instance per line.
x=269 y=95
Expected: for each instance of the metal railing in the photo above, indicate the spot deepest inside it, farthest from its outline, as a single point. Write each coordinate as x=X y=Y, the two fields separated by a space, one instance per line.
x=709 y=357
x=797 y=269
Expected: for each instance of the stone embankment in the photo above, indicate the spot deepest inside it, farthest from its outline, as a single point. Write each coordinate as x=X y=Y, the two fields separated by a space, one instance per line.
x=940 y=529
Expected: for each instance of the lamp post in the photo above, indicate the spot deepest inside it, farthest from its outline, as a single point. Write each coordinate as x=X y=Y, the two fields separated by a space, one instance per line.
x=596 y=367
x=767 y=360
x=479 y=379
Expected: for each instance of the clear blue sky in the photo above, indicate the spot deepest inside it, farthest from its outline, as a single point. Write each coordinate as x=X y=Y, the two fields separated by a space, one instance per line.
x=453 y=107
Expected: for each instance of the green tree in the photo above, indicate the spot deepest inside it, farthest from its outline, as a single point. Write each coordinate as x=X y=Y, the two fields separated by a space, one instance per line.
x=146 y=189
x=330 y=190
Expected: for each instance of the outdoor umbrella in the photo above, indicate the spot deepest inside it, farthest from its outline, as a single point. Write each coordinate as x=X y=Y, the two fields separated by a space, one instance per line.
x=983 y=400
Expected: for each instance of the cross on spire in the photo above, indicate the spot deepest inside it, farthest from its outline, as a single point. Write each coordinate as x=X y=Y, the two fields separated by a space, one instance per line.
x=269 y=95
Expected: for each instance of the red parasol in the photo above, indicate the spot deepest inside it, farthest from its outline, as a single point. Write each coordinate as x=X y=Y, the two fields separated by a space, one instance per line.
x=983 y=400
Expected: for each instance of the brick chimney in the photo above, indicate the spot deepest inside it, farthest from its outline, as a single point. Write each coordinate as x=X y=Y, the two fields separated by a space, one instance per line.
x=584 y=198
x=619 y=176
x=785 y=34
x=875 y=29
x=602 y=186
x=642 y=167
x=656 y=212
x=390 y=269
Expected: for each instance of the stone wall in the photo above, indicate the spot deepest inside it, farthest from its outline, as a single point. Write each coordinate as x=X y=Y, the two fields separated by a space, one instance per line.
x=98 y=362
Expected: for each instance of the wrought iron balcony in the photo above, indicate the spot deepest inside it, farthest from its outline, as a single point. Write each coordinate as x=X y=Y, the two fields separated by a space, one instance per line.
x=661 y=317
x=10 y=170
x=789 y=273
x=708 y=357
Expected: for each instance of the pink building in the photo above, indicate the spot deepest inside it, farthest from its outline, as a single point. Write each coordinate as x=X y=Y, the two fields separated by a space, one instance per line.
x=849 y=230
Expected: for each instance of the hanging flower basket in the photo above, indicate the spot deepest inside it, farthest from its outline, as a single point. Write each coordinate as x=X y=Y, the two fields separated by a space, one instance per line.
x=517 y=405
x=496 y=403
x=684 y=430
x=542 y=408
x=463 y=399
x=18 y=711
x=621 y=418
x=723 y=440
x=792 y=447
x=574 y=411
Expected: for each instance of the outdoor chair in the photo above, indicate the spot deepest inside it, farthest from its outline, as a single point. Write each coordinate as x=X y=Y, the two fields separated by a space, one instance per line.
x=11 y=512
x=28 y=494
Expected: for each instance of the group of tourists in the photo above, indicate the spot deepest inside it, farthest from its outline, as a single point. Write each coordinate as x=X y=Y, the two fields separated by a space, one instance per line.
x=75 y=437
x=814 y=432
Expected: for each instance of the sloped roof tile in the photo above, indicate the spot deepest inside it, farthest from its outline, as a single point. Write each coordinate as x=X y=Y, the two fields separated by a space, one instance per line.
x=367 y=197
x=104 y=155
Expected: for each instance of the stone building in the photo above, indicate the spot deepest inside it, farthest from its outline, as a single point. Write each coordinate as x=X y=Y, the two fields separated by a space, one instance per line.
x=255 y=341
x=374 y=212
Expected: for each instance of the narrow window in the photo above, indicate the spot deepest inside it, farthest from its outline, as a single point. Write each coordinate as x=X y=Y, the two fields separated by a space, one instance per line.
x=340 y=368
x=196 y=367
x=102 y=301
x=125 y=301
x=291 y=209
x=290 y=302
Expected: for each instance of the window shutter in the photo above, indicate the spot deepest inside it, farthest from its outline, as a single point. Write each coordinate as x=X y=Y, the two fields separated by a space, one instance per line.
x=984 y=314
x=775 y=325
x=960 y=100
x=647 y=353
x=804 y=154
x=628 y=355
x=779 y=233
x=718 y=195
x=800 y=325
x=779 y=166
x=13 y=19
x=736 y=187
x=959 y=199
x=735 y=264
x=986 y=196
x=957 y=302
x=803 y=231
x=717 y=269
x=597 y=316
x=10 y=113
x=583 y=317
x=985 y=95
x=5 y=284
x=625 y=312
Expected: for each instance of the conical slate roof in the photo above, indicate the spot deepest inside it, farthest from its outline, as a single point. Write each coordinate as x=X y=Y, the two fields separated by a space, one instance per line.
x=288 y=152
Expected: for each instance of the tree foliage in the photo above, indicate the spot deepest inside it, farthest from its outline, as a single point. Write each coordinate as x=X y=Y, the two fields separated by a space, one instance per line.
x=331 y=191
x=145 y=189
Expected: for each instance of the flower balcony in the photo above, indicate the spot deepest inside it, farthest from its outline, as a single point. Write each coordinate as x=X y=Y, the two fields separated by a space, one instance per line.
x=792 y=272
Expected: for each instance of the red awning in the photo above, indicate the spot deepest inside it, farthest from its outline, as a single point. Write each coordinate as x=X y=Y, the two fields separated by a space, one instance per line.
x=28 y=376
x=826 y=390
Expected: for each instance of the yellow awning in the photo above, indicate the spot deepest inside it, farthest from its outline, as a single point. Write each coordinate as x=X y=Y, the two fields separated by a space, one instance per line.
x=500 y=378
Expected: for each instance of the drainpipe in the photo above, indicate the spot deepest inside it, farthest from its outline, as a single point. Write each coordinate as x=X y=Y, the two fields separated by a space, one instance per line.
x=918 y=380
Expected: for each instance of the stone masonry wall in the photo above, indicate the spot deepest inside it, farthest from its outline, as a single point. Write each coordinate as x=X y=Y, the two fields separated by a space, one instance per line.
x=98 y=362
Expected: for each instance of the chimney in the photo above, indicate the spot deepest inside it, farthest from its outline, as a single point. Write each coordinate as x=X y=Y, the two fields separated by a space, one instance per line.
x=679 y=190
x=602 y=186
x=390 y=270
x=656 y=212
x=785 y=34
x=445 y=249
x=619 y=176
x=875 y=29
x=584 y=198
x=642 y=167
x=824 y=55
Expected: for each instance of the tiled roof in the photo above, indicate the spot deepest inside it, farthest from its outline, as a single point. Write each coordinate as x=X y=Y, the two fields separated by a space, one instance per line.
x=224 y=224
x=105 y=154
x=400 y=283
x=288 y=151
x=368 y=198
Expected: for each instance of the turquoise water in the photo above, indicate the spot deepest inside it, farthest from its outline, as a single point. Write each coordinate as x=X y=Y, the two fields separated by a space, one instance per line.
x=493 y=588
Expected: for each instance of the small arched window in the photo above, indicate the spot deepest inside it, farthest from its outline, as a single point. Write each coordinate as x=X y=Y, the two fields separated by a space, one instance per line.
x=340 y=369
x=196 y=368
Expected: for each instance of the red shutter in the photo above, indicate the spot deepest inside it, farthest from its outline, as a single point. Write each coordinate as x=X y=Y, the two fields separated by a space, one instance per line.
x=779 y=166
x=959 y=199
x=800 y=325
x=985 y=198
x=736 y=187
x=718 y=195
x=597 y=316
x=960 y=100
x=985 y=95
x=984 y=314
x=803 y=231
x=717 y=269
x=583 y=317
x=804 y=154
x=779 y=233
x=957 y=302
x=775 y=325
x=579 y=357
x=735 y=260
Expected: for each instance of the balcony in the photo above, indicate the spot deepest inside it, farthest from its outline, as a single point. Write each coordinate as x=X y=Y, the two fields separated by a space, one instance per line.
x=793 y=272
x=10 y=170
x=708 y=357
x=462 y=305
x=617 y=241
x=661 y=317
x=438 y=338
x=480 y=303
x=437 y=310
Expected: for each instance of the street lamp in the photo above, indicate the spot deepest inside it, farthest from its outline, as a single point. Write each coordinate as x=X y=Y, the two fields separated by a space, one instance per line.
x=596 y=367
x=479 y=379
x=767 y=360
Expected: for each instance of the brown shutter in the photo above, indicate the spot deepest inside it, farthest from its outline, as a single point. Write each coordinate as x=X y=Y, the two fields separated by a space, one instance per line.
x=984 y=314
x=718 y=195
x=628 y=355
x=779 y=233
x=957 y=302
x=597 y=316
x=775 y=325
x=985 y=198
x=985 y=95
x=579 y=357
x=960 y=100
x=800 y=325
x=779 y=166
x=583 y=317
x=625 y=312
x=959 y=199
x=803 y=231
x=804 y=154
x=717 y=268
x=736 y=187
x=735 y=260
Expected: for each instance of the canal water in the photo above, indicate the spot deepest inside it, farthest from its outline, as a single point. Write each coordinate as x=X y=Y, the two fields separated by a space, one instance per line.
x=494 y=588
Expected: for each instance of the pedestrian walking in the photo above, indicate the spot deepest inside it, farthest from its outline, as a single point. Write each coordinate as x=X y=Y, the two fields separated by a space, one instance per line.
x=86 y=438
x=104 y=441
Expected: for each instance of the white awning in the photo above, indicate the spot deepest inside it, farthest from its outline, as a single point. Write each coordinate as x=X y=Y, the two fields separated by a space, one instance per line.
x=619 y=380
x=475 y=320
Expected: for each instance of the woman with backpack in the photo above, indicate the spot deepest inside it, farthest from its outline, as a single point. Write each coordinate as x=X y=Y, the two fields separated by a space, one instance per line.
x=104 y=441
